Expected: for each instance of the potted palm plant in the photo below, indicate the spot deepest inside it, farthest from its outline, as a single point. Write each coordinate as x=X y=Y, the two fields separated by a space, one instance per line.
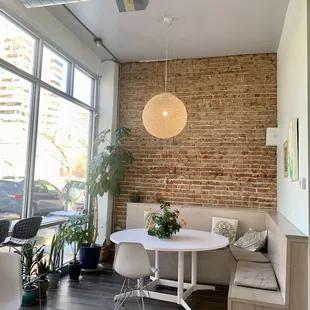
x=107 y=170
x=29 y=261
x=76 y=233
x=57 y=245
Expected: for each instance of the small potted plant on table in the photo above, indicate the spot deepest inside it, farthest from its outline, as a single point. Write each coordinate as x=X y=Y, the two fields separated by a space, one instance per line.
x=164 y=225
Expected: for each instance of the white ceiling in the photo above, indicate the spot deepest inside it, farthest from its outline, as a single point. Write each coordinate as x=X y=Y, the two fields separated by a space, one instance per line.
x=204 y=28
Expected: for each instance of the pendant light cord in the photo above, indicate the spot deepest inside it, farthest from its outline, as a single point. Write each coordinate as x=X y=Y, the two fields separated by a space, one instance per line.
x=167 y=49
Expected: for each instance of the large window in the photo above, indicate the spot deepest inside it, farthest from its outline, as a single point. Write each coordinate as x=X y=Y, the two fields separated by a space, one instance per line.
x=16 y=45
x=61 y=157
x=15 y=102
x=55 y=69
x=46 y=121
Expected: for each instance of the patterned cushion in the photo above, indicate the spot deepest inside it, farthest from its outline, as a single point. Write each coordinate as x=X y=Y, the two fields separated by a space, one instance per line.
x=255 y=275
x=225 y=227
x=148 y=221
x=252 y=240
x=247 y=256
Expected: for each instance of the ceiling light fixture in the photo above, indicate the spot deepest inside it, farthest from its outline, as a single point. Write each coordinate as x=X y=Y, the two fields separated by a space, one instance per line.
x=40 y=3
x=165 y=116
x=132 y=5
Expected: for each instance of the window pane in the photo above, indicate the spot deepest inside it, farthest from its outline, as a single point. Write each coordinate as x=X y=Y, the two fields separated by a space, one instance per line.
x=54 y=69
x=15 y=100
x=61 y=158
x=16 y=46
x=83 y=86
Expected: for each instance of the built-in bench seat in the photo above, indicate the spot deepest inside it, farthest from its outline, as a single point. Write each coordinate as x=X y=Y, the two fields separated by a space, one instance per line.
x=287 y=251
x=246 y=298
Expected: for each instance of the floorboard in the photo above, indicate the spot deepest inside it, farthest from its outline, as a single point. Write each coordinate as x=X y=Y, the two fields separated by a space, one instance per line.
x=96 y=291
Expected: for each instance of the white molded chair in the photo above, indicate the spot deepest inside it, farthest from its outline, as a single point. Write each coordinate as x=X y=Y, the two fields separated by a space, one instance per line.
x=132 y=262
x=10 y=275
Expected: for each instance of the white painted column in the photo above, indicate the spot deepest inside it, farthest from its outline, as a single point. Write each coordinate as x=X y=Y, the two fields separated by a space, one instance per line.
x=108 y=118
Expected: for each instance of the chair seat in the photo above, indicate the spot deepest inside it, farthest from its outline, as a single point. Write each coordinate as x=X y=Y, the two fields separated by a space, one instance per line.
x=13 y=242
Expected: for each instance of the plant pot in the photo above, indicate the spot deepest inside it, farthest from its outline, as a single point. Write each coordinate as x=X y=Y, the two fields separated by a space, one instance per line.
x=134 y=198
x=89 y=256
x=75 y=271
x=43 y=287
x=30 y=296
x=54 y=279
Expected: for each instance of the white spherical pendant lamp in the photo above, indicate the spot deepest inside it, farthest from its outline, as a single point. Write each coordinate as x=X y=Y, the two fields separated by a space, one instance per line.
x=164 y=116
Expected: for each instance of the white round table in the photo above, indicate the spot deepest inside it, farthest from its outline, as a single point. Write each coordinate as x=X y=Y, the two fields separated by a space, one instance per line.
x=186 y=240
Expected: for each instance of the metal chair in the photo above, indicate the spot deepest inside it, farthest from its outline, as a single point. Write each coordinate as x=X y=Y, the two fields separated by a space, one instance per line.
x=132 y=262
x=23 y=231
x=11 y=288
x=4 y=229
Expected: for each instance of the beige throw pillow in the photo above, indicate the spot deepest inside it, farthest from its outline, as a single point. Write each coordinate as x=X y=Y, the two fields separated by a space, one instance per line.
x=225 y=227
x=252 y=240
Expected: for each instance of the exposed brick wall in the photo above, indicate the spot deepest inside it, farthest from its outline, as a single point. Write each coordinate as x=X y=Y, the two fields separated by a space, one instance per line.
x=220 y=158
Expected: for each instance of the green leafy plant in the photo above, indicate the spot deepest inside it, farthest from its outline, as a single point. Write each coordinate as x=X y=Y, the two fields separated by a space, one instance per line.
x=166 y=224
x=43 y=270
x=107 y=168
x=78 y=231
x=57 y=245
x=135 y=194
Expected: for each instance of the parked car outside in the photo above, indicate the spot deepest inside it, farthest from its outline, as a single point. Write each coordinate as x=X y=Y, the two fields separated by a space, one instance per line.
x=45 y=196
x=74 y=193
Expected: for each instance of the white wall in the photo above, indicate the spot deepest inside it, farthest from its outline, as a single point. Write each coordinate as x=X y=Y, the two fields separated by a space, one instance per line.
x=292 y=103
x=46 y=25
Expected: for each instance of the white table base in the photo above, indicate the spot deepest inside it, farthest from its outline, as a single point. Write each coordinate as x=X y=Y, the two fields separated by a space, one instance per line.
x=179 y=284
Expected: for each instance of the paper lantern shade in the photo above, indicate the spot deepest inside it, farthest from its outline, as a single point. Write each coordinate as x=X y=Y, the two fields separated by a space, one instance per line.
x=164 y=116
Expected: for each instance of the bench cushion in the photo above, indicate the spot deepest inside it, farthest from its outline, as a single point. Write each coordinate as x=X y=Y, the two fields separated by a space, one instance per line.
x=256 y=275
x=247 y=256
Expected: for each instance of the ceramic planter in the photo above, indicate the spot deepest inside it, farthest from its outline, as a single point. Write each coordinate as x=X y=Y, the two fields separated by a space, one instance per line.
x=30 y=296
x=89 y=256
x=54 y=279
x=134 y=198
x=75 y=271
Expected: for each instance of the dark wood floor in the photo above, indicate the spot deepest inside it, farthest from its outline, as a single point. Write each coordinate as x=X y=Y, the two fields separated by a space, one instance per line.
x=95 y=292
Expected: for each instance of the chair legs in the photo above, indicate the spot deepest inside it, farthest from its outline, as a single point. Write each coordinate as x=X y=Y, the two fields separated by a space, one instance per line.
x=136 y=290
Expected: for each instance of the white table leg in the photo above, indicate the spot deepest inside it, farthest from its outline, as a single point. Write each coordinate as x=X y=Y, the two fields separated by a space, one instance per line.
x=194 y=270
x=180 y=277
x=157 y=275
